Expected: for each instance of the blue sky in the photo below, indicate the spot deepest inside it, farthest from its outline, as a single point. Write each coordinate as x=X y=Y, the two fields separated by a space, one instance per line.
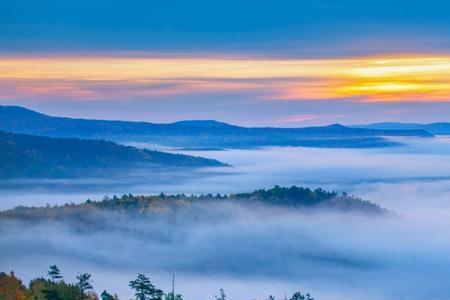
x=322 y=27
x=250 y=29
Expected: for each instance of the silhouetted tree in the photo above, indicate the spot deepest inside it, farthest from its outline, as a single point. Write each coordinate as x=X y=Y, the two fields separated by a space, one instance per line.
x=54 y=273
x=84 y=284
x=300 y=296
x=144 y=289
x=221 y=296
x=297 y=296
x=107 y=296
x=50 y=289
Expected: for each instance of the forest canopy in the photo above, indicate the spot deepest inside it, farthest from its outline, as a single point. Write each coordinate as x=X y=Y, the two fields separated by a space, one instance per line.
x=283 y=197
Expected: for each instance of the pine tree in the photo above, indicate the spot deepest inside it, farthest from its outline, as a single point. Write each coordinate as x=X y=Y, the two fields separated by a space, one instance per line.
x=300 y=296
x=221 y=296
x=308 y=297
x=297 y=296
x=106 y=296
x=84 y=284
x=54 y=273
x=144 y=289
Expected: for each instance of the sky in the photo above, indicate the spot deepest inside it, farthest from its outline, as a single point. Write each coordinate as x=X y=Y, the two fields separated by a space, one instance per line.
x=278 y=63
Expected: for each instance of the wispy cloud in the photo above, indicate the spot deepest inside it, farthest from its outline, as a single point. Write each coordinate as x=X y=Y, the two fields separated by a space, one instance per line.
x=300 y=118
x=420 y=78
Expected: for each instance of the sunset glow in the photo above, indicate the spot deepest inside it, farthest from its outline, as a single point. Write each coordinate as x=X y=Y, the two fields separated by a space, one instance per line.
x=418 y=78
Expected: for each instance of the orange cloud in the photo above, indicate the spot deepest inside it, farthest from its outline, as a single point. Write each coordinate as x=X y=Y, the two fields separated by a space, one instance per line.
x=370 y=79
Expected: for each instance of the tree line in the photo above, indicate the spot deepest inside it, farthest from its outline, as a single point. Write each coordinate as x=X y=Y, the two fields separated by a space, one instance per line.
x=54 y=287
x=288 y=197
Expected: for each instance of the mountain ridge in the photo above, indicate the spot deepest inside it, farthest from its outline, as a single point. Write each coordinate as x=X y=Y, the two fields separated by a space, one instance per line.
x=435 y=128
x=198 y=133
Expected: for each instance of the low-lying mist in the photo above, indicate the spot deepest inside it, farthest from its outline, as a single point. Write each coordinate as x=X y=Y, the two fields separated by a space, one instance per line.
x=332 y=255
x=351 y=170
x=254 y=252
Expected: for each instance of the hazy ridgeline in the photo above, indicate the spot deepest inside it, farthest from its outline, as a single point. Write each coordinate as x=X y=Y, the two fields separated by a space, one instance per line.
x=199 y=134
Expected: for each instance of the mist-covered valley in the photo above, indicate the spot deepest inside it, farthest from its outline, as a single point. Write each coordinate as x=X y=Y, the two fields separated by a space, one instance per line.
x=254 y=251
x=331 y=255
x=419 y=164
x=224 y=150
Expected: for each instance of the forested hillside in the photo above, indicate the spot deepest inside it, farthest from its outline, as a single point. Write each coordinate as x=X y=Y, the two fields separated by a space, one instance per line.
x=292 y=197
x=33 y=156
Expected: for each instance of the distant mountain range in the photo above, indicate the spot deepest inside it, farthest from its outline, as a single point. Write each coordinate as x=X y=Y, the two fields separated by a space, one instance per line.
x=198 y=134
x=293 y=198
x=440 y=128
x=34 y=156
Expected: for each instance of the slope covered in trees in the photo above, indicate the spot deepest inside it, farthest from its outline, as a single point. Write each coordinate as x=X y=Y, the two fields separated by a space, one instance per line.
x=197 y=134
x=34 y=156
x=292 y=198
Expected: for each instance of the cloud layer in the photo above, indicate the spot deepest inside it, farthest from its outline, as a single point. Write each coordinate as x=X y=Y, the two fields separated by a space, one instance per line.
x=423 y=78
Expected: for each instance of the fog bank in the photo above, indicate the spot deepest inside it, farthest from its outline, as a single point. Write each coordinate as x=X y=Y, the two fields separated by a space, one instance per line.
x=253 y=253
x=331 y=255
